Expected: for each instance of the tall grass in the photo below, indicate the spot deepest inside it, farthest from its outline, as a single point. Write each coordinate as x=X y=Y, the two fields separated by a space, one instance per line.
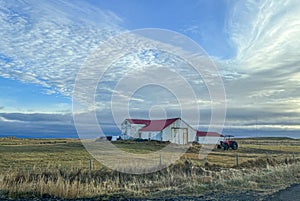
x=60 y=168
x=187 y=177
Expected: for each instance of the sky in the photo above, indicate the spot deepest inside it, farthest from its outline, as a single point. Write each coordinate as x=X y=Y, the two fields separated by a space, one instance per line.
x=254 y=45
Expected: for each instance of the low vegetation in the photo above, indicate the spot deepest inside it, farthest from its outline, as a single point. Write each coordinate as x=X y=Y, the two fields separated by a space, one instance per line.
x=60 y=168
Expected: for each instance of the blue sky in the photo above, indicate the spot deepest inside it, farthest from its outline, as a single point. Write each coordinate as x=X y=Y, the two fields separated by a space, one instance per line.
x=254 y=44
x=17 y=96
x=203 y=21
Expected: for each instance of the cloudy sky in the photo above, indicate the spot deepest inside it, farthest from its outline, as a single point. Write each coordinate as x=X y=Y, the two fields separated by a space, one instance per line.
x=254 y=44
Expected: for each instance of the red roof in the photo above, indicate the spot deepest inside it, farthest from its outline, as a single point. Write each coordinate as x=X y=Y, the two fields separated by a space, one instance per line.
x=139 y=121
x=211 y=134
x=153 y=125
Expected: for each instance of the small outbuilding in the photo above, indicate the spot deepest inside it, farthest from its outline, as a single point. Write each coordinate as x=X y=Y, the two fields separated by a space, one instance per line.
x=203 y=137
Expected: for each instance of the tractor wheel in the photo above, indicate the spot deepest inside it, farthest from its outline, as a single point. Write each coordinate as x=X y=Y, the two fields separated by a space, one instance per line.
x=225 y=146
x=234 y=145
x=219 y=146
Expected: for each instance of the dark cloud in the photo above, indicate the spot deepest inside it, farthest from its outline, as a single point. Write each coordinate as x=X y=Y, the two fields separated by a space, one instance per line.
x=37 y=125
x=44 y=125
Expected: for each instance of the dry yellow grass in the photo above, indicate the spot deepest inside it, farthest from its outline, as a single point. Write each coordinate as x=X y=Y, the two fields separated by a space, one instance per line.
x=61 y=168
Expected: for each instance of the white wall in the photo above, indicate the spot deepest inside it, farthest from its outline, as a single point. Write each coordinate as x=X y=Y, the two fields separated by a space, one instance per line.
x=153 y=135
x=209 y=140
x=178 y=138
x=131 y=130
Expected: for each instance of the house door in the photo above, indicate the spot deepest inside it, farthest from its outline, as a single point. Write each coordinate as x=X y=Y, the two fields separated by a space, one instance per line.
x=185 y=136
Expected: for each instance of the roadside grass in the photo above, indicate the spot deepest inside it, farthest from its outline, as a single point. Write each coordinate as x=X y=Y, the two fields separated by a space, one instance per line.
x=60 y=168
x=184 y=178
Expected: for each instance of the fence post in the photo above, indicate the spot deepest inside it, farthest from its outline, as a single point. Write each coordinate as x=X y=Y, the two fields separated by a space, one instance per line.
x=204 y=160
x=160 y=160
x=294 y=158
x=91 y=164
x=237 y=159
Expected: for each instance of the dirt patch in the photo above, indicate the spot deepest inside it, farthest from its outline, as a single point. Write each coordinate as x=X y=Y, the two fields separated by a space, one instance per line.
x=291 y=193
x=244 y=196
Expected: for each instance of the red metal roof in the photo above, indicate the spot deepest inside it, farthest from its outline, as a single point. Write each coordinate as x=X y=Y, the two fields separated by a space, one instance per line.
x=153 y=125
x=211 y=134
x=139 y=121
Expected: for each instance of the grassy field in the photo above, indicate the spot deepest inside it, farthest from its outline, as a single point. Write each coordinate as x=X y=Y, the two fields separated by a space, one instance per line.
x=61 y=168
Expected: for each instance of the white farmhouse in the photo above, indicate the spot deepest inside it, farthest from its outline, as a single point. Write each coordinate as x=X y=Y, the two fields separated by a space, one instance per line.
x=174 y=130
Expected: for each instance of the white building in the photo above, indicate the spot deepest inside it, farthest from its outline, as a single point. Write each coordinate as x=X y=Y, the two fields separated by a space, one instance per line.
x=174 y=130
x=208 y=137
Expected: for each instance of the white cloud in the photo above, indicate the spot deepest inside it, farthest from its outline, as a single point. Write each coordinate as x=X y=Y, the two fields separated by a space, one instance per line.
x=265 y=33
x=266 y=68
x=3 y=119
x=46 y=42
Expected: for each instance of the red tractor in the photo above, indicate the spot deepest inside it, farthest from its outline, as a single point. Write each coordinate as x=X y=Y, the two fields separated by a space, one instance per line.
x=227 y=143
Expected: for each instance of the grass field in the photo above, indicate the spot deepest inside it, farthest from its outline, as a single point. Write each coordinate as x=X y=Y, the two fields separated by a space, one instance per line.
x=61 y=167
